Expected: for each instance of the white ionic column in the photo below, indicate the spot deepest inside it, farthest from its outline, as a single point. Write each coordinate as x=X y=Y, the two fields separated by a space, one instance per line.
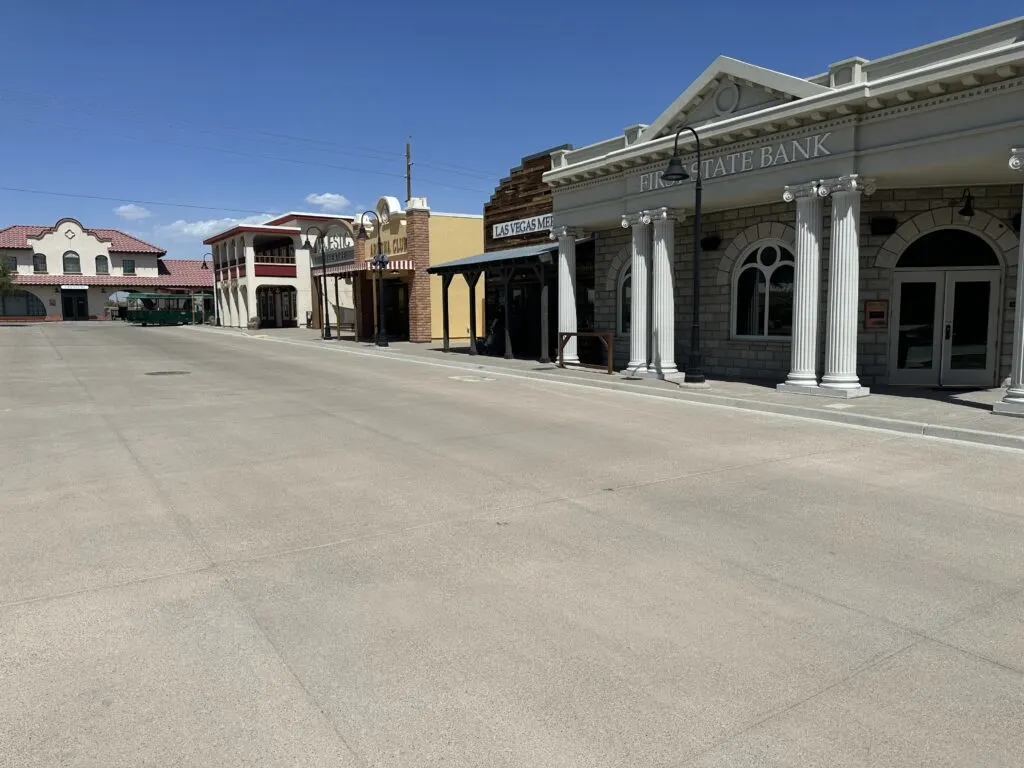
x=1013 y=402
x=566 y=238
x=840 y=379
x=663 y=301
x=639 y=276
x=803 y=369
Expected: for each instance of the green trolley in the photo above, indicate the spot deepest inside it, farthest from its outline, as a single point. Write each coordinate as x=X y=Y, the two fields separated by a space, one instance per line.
x=166 y=308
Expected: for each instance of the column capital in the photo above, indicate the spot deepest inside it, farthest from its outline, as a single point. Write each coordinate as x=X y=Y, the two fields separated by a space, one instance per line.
x=638 y=219
x=562 y=232
x=1017 y=159
x=667 y=214
x=798 y=191
x=852 y=183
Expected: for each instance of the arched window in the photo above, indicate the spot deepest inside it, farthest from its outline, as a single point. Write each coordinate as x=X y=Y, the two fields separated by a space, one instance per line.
x=38 y=262
x=763 y=292
x=72 y=264
x=948 y=248
x=625 y=301
x=102 y=265
x=21 y=304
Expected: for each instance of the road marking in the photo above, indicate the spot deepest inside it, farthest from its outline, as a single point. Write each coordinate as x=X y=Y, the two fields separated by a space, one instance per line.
x=471 y=378
x=840 y=406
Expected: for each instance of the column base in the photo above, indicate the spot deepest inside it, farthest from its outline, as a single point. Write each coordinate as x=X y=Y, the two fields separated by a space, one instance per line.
x=839 y=394
x=675 y=376
x=1009 y=408
x=571 y=360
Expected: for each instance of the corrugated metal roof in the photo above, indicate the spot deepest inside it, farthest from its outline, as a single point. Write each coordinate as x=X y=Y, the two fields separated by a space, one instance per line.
x=483 y=260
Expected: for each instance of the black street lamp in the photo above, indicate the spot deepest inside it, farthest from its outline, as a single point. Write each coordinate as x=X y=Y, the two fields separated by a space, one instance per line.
x=380 y=263
x=216 y=310
x=676 y=172
x=321 y=250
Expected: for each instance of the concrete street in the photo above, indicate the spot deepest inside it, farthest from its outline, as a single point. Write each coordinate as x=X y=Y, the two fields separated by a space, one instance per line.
x=287 y=555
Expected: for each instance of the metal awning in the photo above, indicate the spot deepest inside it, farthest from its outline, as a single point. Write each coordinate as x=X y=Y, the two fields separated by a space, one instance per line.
x=525 y=254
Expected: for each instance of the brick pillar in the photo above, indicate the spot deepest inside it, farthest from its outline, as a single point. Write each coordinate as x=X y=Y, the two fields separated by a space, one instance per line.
x=360 y=249
x=417 y=231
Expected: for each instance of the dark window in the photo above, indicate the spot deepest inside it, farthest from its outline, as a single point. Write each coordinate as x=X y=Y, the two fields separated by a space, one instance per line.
x=948 y=248
x=39 y=262
x=129 y=266
x=764 y=292
x=21 y=304
x=626 y=302
x=72 y=264
x=102 y=265
x=12 y=263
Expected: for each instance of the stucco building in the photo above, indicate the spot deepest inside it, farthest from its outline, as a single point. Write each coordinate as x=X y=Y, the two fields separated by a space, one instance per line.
x=68 y=272
x=275 y=274
x=860 y=227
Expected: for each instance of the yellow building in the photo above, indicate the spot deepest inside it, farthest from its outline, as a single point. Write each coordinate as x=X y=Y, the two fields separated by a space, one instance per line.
x=414 y=239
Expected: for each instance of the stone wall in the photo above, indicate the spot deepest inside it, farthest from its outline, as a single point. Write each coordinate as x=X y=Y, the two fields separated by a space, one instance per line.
x=769 y=359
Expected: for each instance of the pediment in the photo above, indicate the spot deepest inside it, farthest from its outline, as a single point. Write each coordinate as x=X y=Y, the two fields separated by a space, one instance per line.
x=728 y=88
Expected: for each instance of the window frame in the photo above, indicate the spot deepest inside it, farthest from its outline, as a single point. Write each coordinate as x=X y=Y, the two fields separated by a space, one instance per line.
x=106 y=265
x=12 y=263
x=625 y=274
x=739 y=268
x=64 y=263
x=124 y=267
x=36 y=259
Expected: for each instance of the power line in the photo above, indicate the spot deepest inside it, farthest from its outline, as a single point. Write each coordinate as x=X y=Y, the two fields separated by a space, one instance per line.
x=129 y=200
x=256 y=155
x=341 y=149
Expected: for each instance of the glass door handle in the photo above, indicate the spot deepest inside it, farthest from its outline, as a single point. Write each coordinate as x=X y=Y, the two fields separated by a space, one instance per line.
x=949 y=331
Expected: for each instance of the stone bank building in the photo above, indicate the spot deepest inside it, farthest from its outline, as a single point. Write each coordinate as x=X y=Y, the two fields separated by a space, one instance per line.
x=860 y=227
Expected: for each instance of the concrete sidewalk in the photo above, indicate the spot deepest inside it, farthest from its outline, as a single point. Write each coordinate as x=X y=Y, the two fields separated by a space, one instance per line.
x=951 y=414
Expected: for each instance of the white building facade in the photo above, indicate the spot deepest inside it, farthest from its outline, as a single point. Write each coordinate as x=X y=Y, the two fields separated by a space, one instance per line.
x=69 y=272
x=859 y=228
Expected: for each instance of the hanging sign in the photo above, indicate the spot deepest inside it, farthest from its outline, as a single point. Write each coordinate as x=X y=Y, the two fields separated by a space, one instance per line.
x=522 y=226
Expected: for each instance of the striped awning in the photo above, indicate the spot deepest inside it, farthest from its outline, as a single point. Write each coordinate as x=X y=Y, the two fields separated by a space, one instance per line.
x=347 y=268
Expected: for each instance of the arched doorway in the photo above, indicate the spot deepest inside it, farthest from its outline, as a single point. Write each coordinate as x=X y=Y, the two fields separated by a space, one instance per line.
x=946 y=289
x=276 y=306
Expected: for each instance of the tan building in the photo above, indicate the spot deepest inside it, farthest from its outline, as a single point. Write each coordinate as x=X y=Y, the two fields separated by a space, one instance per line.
x=413 y=239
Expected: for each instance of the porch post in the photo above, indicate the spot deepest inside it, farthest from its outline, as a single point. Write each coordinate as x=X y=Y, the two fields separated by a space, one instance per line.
x=1013 y=401
x=840 y=379
x=639 y=276
x=803 y=370
x=663 y=318
x=506 y=278
x=446 y=280
x=544 y=356
x=471 y=278
x=337 y=307
x=566 y=238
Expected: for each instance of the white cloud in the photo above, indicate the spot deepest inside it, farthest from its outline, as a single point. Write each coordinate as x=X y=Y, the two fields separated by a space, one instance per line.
x=203 y=228
x=330 y=202
x=132 y=212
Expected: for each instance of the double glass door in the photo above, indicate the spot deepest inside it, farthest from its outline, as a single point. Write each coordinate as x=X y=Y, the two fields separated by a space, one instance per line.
x=944 y=328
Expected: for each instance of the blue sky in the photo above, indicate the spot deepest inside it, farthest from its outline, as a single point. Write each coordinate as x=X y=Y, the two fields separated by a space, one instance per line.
x=256 y=106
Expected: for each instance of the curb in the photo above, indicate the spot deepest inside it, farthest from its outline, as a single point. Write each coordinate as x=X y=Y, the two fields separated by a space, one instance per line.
x=899 y=426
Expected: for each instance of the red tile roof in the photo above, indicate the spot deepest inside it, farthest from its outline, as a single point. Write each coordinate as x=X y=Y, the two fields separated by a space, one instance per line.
x=16 y=236
x=173 y=273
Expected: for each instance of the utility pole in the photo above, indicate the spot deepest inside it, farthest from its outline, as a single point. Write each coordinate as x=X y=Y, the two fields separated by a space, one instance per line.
x=408 y=171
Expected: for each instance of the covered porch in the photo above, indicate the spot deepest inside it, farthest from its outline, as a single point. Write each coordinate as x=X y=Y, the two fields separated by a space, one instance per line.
x=521 y=314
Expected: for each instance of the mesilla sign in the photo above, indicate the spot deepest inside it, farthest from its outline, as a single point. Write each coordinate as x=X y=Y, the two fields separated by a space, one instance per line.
x=768 y=156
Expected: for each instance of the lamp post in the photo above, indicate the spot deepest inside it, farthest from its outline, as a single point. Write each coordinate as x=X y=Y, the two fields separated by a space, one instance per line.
x=216 y=312
x=676 y=172
x=380 y=263
x=321 y=249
